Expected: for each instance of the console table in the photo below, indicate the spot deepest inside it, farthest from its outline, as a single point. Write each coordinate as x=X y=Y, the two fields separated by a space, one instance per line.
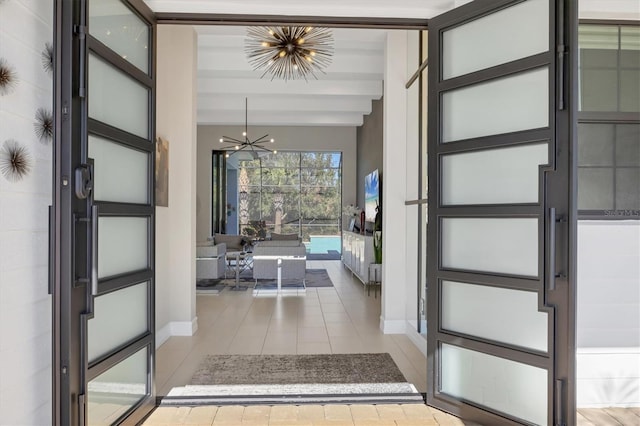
x=357 y=254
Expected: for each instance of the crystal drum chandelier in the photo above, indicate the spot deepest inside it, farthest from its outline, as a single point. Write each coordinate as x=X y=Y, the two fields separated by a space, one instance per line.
x=289 y=53
x=246 y=144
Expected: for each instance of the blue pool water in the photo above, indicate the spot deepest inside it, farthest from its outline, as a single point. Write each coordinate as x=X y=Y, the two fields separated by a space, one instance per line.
x=321 y=244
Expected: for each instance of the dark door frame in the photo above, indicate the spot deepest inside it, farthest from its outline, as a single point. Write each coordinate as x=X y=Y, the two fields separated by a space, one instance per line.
x=73 y=273
x=66 y=104
x=556 y=281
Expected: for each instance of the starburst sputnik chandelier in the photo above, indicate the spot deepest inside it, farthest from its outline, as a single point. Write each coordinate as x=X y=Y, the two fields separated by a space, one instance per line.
x=289 y=53
x=253 y=147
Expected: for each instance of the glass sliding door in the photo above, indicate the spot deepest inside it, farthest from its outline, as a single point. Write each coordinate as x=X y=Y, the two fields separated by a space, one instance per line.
x=293 y=193
x=219 y=193
x=104 y=317
x=500 y=269
x=320 y=201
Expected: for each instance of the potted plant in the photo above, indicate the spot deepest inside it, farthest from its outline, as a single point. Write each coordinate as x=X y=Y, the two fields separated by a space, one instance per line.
x=377 y=247
x=375 y=269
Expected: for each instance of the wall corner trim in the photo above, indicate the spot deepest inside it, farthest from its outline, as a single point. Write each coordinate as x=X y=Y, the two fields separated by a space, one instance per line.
x=163 y=334
x=392 y=326
x=416 y=338
x=184 y=328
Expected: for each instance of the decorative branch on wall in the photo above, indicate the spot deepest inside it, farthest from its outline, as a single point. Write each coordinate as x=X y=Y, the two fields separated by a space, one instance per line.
x=15 y=160
x=8 y=77
x=44 y=125
x=47 y=58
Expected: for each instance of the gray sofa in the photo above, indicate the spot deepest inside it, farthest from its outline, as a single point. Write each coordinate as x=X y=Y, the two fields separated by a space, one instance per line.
x=210 y=260
x=233 y=242
x=265 y=259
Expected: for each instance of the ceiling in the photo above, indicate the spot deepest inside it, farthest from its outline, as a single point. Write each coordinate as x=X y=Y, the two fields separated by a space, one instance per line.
x=340 y=97
x=351 y=8
x=343 y=95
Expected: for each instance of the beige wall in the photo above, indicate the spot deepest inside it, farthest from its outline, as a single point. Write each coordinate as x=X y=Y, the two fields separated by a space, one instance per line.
x=175 y=225
x=370 y=147
x=394 y=186
x=287 y=138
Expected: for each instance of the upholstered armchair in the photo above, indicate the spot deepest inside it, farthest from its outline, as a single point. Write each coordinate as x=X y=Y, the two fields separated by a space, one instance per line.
x=210 y=260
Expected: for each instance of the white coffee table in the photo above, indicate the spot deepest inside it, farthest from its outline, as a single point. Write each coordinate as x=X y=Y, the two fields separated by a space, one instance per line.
x=279 y=259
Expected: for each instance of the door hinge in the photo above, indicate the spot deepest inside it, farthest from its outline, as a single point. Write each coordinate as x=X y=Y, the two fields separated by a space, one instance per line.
x=558 y=412
x=80 y=31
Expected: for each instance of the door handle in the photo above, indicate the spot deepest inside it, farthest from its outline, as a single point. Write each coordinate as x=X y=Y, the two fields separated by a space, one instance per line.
x=95 y=214
x=551 y=253
x=552 y=268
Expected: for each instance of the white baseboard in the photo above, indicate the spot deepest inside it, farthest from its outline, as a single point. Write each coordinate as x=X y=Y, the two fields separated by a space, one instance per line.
x=176 y=328
x=184 y=328
x=416 y=338
x=163 y=334
x=608 y=377
x=392 y=326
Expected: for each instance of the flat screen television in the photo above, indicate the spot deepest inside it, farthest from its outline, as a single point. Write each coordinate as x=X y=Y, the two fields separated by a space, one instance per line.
x=371 y=195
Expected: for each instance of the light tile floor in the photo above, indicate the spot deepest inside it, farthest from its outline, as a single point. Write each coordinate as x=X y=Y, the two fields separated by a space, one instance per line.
x=339 y=319
x=342 y=319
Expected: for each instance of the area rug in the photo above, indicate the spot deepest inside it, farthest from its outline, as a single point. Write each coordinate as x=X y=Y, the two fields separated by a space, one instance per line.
x=329 y=255
x=210 y=286
x=317 y=278
x=297 y=369
x=313 y=278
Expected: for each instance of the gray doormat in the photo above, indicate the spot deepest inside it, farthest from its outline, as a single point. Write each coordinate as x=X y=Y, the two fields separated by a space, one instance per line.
x=297 y=369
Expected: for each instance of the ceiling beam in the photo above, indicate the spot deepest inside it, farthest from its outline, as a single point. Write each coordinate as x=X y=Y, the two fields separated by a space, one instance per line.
x=276 y=118
x=284 y=103
x=258 y=75
x=355 y=63
x=275 y=87
x=231 y=43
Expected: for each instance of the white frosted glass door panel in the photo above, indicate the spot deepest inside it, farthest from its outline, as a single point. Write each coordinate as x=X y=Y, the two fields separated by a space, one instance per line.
x=120 y=316
x=122 y=245
x=472 y=178
x=508 y=104
x=503 y=385
x=121 y=173
x=498 y=245
x=494 y=313
x=111 y=22
x=513 y=33
x=117 y=99
x=118 y=389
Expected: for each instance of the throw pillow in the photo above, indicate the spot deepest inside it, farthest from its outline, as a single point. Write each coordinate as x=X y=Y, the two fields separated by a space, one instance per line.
x=233 y=242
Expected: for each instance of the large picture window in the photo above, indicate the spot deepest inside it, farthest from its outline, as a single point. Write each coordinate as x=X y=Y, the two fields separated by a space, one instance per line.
x=609 y=121
x=293 y=192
